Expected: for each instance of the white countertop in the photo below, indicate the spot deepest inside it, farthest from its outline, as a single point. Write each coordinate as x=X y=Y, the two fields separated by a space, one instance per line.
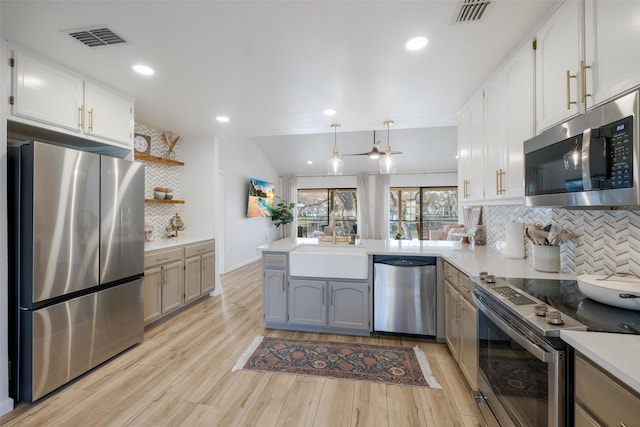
x=616 y=353
x=469 y=259
x=173 y=242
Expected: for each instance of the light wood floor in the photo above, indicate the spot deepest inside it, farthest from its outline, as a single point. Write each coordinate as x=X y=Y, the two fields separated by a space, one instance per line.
x=181 y=375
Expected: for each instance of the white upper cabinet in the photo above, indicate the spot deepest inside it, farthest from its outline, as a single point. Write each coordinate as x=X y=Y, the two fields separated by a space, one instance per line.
x=558 y=71
x=108 y=115
x=612 y=48
x=49 y=97
x=494 y=138
x=518 y=121
x=45 y=93
x=471 y=151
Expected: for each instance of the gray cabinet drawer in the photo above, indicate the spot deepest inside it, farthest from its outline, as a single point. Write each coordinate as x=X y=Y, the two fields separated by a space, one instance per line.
x=274 y=260
x=607 y=400
x=162 y=256
x=199 y=248
x=451 y=274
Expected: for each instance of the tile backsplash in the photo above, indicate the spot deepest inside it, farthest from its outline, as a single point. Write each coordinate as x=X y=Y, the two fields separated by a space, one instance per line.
x=607 y=241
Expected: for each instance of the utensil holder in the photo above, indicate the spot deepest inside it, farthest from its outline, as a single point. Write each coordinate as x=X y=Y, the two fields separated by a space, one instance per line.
x=546 y=258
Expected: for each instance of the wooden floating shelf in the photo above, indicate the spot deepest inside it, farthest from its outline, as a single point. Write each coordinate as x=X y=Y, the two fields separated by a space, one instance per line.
x=165 y=201
x=155 y=159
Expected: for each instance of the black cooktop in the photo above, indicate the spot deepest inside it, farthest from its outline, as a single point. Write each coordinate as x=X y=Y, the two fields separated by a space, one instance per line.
x=564 y=296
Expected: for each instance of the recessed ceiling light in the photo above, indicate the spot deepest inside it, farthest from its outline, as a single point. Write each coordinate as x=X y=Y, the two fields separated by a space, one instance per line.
x=329 y=112
x=222 y=119
x=416 y=43
x=309 y=162
x=143 y=69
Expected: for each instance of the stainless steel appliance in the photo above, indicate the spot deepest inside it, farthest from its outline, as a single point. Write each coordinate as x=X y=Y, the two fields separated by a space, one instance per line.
x=404 y=295
x=590 y=160
x=76 y=222
x=524 y=375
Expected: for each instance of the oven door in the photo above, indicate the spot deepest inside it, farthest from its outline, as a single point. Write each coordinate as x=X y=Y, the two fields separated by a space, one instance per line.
x=522 y=382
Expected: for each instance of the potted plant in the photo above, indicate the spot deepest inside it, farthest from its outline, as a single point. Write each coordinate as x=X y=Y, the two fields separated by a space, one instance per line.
x=282 y=213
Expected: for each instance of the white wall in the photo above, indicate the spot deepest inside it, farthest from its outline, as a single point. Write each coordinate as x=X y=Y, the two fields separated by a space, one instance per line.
x=197 y=185
x=6 y=404
x=241 y=159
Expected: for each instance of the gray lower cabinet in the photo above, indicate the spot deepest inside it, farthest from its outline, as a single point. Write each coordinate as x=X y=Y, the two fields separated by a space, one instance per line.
x=349 y=305
x=312 y=304
x=274 y=296
x=307 y=302
x=274 y=288
x=163 y=283
x=601 y=399
x=199 y=270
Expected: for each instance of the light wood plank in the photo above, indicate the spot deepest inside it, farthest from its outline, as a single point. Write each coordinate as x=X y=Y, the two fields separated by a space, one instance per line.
x=181 y=376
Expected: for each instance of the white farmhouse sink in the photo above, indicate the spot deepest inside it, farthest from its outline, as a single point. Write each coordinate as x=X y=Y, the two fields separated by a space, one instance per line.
x=330 y=261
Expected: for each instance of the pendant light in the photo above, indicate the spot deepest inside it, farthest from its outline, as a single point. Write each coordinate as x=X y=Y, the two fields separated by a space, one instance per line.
x=335 y=165
x=573 y=159
x=387 y=163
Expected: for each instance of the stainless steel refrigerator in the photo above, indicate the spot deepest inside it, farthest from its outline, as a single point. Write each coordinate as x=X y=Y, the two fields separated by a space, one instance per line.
x=76 y=236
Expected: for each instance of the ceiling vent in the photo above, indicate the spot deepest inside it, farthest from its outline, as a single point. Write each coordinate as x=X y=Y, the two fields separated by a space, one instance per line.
x=470 y=11
x=96 y=37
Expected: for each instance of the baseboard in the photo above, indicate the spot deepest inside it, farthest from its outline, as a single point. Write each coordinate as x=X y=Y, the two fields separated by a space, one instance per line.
x=6 y=405
x=242 y=264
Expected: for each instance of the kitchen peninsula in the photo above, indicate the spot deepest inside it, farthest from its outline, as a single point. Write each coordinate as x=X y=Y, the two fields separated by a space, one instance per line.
x=471 y=260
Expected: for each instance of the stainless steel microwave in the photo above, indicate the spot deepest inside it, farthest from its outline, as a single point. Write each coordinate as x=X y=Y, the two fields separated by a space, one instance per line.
x=589 y=161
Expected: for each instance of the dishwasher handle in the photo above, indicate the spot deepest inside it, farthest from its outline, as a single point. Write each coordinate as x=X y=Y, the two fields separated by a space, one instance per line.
x=411 y=261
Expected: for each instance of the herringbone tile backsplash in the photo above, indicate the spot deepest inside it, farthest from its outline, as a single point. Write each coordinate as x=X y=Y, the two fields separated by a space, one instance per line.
x=607 y=241
x=159 y=175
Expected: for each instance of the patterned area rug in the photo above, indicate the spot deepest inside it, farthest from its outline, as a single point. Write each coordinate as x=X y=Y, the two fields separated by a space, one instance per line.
x=351 y=361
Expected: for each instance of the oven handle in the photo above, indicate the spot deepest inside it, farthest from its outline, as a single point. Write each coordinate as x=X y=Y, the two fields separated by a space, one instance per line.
x=535 y=350
x=586 y=163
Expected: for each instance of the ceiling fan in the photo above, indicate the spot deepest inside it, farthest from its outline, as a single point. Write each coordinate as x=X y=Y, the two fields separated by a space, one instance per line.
x=375 y=152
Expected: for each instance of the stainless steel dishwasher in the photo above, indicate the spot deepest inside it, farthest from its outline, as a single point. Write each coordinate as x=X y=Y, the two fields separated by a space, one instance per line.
x=404 y=294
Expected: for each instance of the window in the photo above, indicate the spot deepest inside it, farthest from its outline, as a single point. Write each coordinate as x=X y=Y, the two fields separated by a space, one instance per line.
x=415 y=211
x=316 y=204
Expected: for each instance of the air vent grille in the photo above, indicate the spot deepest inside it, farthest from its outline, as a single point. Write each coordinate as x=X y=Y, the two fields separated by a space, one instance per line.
x=97 y=37
x=470 y=10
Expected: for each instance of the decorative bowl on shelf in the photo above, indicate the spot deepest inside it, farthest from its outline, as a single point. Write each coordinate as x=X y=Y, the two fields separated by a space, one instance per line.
x=159 y=194
x=168 y=194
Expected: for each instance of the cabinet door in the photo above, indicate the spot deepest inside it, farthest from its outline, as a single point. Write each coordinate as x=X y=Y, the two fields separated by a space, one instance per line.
x=451 y=318
x=494 y=137
x=108 y=115
x=612 y=43
x=46 y=93
x=172 y=286
x=349 y=305
x=192 y=278
x=152 y=294
x=208 y=273
x=583 y=419
x=518 y=88
x=468 y=356
x=307 y=302
x=274 y=296
x=471 y=151
x=558 y=52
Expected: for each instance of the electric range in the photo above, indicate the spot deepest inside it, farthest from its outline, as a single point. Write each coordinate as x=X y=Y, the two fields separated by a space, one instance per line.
x=550 y=305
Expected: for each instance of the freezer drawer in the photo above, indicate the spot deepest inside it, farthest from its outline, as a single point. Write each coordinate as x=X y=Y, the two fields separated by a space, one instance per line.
x=404 y=292
x=62 y=341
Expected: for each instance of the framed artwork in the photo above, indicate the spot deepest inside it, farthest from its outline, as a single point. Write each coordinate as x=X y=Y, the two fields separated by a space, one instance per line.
x=261 y=198
x=476 y=217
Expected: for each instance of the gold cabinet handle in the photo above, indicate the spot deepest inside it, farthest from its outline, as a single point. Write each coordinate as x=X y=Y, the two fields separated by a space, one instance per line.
x=91 y=119
x=583 y=77
x=331 y=293
x=500 y=181
x=81 y=117
x=623 y=425
x=569 y=101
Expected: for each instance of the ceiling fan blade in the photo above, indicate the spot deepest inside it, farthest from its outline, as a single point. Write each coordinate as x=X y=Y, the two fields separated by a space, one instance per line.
x=357 y=154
